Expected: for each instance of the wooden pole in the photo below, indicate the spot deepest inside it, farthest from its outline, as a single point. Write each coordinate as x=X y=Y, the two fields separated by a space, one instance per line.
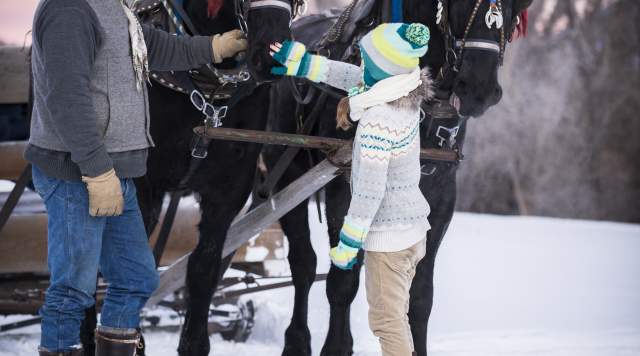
x=13 y=163
x=306 y=141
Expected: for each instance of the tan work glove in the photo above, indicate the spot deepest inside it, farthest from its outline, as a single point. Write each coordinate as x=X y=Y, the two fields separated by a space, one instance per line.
x=228 y=44
x=105 y=194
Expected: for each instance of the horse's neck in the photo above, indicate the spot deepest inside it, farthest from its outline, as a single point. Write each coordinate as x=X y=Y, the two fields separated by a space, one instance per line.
x=424 y=11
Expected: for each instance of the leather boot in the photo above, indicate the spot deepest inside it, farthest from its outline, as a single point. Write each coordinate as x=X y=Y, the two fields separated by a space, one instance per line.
x=76 y=352
x=116 y=344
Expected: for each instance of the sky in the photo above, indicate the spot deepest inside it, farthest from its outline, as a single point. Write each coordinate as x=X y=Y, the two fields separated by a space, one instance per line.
x=15 y=20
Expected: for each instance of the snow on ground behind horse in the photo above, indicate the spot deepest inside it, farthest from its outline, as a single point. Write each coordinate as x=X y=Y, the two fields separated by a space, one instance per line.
x=504 y=286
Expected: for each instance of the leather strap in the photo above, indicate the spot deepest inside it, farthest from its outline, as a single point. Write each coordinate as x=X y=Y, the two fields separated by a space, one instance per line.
x=290 y=153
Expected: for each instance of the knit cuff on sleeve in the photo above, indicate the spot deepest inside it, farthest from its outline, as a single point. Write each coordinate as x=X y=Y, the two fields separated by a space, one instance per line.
x=97 y=164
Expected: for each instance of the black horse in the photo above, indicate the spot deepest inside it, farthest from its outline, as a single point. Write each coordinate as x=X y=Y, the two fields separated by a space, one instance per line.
x=224 y=179
x=466 y=78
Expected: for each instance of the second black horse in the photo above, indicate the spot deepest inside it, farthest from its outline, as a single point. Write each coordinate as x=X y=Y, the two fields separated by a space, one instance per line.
x=464 y=57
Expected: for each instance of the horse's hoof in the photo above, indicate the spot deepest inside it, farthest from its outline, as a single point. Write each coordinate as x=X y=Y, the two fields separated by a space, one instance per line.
x=290 y=350
x=187 y=348
x=326 y=352
x=297 y=341
x=339 y=353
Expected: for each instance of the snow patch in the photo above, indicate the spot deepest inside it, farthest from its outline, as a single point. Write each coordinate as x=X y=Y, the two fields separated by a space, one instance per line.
x=504 y=286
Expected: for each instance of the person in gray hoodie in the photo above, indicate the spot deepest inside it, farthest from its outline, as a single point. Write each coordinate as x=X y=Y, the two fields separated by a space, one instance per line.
x=89 y=138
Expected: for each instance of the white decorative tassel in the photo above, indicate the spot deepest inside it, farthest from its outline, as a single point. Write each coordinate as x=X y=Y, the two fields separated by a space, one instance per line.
x=138 y=48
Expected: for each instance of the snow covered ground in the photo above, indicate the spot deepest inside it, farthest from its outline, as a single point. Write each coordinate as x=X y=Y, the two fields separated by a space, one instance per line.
x=505 y=286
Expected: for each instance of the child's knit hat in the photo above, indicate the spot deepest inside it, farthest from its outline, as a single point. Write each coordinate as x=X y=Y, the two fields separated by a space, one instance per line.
x=391 y=49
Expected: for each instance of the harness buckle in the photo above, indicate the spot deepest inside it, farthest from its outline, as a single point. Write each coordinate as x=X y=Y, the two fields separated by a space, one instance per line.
x=215 y=114
x=450 y=138
x=199 y=147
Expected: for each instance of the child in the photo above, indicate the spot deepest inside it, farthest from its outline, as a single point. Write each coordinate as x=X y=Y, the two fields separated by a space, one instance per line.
x=388 y=213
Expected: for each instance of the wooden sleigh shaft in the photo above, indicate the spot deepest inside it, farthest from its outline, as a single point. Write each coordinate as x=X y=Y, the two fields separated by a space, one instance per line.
x=328 y=144
x=260 y=218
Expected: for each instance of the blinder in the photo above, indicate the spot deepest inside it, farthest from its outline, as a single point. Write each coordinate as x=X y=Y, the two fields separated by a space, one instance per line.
x=244 y=7
x=457 y=46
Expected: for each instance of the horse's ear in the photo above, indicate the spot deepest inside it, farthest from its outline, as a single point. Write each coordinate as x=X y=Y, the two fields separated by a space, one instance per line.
x=444 y=23
x=520 y=19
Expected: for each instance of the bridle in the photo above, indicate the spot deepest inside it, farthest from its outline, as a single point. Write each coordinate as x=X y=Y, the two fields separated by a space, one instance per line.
x=244 y=7
x=455 y=47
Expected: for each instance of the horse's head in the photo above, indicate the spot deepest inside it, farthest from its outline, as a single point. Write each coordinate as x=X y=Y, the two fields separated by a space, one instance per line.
x=477 y=48
x=266 y=22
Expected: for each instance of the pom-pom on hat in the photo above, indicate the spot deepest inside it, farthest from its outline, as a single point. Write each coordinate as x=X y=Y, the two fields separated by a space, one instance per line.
x=391 y=49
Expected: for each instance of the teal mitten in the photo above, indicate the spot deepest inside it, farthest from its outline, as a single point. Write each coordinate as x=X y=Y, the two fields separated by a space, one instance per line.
x=344 y=256
x=297 y=62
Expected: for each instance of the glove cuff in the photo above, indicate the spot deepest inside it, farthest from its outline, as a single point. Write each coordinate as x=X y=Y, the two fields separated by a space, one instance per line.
x=352 y=235
x=215 y=48
x=101 y=178
x=314 y=67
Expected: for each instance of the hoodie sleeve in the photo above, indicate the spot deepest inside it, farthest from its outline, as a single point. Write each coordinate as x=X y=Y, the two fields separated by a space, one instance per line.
x=372 y=150
x=68 y=37
x=168 y=52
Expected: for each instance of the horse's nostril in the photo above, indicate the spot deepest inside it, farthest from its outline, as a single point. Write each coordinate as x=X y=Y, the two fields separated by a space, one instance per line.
x=497 y=95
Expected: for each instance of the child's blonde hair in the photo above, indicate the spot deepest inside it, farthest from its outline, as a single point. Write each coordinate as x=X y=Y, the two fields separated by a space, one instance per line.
x=342 y=115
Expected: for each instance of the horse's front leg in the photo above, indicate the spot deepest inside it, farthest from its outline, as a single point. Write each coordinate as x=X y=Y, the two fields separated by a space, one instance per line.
x=203 y=270
x=342 y=286
x=440 y=191
x=303 y=262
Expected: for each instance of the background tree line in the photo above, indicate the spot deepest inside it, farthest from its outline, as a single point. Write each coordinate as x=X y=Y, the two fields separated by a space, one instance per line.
x=565 y=139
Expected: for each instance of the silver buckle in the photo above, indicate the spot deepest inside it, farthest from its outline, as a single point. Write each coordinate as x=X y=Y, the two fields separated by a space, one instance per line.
x=451 y=139
x=215 y=115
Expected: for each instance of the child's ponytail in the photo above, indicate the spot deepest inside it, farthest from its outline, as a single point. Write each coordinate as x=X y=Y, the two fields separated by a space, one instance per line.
x=342 y=115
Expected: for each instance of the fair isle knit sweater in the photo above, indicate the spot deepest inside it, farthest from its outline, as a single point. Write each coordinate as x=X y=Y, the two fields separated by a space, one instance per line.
x=387 y=210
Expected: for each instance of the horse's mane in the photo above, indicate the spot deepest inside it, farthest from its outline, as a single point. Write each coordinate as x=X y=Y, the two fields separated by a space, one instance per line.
x=521 y=28
x=214 y=7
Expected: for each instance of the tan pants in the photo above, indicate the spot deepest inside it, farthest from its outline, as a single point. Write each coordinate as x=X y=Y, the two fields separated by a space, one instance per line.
x=388 y=279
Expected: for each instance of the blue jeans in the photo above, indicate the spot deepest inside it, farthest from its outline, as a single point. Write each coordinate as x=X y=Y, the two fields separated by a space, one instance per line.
x=79 y=245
